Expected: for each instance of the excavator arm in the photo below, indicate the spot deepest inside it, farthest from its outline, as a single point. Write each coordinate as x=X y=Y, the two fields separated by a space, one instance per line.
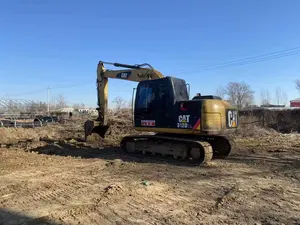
x=136 y=73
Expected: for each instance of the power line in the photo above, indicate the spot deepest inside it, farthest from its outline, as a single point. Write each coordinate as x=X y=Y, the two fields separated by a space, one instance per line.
x=248 y=60
x=69 y=86
x=46 y=89
x=27 y=93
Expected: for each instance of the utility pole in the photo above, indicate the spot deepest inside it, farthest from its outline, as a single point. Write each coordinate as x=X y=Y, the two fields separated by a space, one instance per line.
x=48 y=101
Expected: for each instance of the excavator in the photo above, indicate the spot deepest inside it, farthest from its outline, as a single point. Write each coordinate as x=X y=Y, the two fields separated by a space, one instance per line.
x=196 y=130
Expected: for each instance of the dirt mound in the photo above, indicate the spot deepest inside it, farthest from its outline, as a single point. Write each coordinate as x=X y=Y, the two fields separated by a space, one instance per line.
x=113 y=189
x=49 y=133
x=121 y=125
x=72 y=131
x=15 y=135
x=255 y=131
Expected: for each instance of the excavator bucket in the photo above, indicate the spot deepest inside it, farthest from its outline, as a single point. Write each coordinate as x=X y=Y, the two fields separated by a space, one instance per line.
x=90 y=127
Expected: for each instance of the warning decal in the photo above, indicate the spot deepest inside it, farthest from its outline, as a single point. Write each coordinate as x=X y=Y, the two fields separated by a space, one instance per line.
x=197 y=125
x=148 y=123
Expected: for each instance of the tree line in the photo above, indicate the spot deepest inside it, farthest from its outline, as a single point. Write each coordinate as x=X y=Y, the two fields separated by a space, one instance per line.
x=56 y=103
x=241 y=94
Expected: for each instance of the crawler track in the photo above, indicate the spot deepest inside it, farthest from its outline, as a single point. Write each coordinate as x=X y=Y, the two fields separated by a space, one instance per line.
x=195 y=151
x=222 y=146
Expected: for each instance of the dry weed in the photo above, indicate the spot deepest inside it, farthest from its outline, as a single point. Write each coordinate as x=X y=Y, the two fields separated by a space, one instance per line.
x=122 y=125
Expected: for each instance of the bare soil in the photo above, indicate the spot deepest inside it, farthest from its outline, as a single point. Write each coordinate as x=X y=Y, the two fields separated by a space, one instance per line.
x=48 y=175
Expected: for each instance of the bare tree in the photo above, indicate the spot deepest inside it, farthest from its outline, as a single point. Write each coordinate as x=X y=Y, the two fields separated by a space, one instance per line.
x=265 y=97
x=53 y=102
x=277 y=95
x=284 y=97
x=240 y=94
x=120 y=103
x=221 y=92
x=76 y=106
x=129 y=103
x=37 y=107
x=280 y=96
x=61 y=102
x=298 y=85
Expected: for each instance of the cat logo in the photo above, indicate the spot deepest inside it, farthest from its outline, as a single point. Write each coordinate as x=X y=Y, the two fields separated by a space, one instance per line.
x=123 y=75
x=183 y=121
x=232 y=118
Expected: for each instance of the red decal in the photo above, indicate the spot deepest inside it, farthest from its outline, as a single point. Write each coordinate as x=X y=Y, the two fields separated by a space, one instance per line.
x=148 y=123
x=182 y=108
x=196 y=124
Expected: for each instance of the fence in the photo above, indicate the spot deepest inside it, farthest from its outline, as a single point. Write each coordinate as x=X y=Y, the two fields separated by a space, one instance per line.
x=284 y=120
x=26 y=121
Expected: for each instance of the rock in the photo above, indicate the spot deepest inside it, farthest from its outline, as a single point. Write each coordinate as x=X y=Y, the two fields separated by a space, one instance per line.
x=72 y=141
x=145 y=182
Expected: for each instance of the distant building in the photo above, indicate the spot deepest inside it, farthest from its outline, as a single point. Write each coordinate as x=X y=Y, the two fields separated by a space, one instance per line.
x=271 y=106
x=295 y=102
x=66 y=110
x=85 y=110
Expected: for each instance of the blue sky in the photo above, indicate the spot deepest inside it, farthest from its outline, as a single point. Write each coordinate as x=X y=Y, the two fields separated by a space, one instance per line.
x=51 y=43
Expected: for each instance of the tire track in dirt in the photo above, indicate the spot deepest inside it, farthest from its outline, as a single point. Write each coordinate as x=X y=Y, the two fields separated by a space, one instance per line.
x=97 y=210
x=74 y=191
x=70 y=194
x=150 y=205
x=71 y=200
x=51 y=192
x=87 y=214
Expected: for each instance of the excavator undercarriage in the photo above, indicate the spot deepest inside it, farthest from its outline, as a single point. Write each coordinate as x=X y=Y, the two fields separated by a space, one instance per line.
x=196 y=130
x=196 y=150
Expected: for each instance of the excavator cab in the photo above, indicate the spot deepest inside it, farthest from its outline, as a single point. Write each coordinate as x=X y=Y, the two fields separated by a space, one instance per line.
x=156 y=102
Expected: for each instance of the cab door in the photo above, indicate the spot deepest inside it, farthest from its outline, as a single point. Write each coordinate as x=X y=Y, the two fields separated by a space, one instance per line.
x=144 y=110
x=153 y=106
x=163 y=105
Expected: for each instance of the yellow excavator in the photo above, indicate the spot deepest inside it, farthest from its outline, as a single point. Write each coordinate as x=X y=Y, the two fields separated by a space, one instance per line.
x=194 y=129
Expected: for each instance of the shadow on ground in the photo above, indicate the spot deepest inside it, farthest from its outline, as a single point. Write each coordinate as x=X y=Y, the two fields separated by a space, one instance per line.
x=8 y=217
x=107 y=153
x=79 y=149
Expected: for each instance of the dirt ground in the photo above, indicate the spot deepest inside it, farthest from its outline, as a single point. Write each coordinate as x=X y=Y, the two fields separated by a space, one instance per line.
x=49 y=175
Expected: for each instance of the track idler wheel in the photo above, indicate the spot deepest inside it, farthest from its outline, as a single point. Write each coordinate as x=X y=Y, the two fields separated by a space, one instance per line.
x=223 y=147
x=202 y=153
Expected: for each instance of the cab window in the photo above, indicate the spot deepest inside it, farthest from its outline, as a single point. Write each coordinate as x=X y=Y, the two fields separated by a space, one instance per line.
x=145 y=97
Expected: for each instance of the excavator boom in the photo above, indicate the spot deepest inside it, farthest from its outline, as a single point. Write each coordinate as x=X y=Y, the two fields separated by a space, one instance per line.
x=135 y=73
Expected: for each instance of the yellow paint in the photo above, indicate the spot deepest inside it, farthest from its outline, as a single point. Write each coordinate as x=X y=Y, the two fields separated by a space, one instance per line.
x=234 y=124
x=214 y=114
x=166 y=130
x=212 y=121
